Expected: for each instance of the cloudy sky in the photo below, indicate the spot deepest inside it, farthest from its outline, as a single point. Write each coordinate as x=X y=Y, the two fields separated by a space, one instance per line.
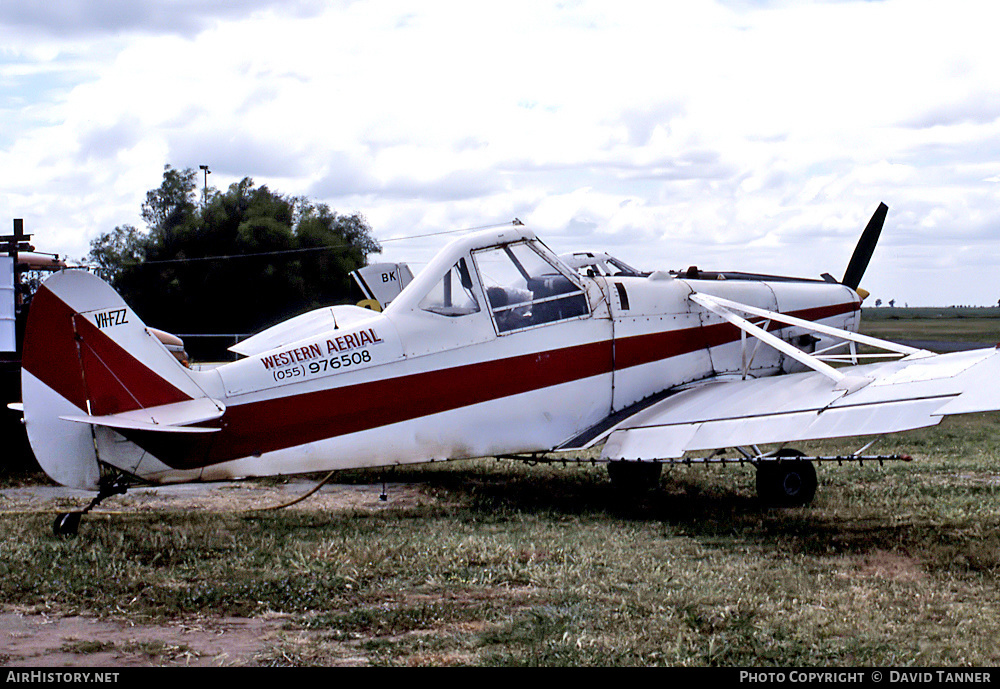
x=728 y=134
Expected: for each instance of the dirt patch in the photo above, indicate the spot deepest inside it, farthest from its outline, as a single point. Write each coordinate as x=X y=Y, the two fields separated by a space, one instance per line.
x=39 y=640
x=886 y=565
x=236 y=496
x=30 y=638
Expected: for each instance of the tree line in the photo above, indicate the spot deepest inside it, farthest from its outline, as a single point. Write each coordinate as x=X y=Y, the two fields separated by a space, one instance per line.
x=238 y=261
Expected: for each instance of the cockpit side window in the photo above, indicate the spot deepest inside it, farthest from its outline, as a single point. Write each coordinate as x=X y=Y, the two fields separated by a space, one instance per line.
x=525 y=290
x=453 y=295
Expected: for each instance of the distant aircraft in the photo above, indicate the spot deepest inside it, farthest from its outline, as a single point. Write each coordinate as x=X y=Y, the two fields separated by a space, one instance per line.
x=499 y=347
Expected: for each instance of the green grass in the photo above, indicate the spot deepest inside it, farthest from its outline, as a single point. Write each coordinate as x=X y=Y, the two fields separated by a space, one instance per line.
x=954 y=324
x=548 y=566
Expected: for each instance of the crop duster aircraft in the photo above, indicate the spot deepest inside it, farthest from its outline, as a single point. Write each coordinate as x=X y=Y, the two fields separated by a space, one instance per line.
x=499 y=347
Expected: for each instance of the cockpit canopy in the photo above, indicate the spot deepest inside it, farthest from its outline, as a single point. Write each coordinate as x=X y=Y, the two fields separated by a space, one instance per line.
x=510 y=275
x=525 y=289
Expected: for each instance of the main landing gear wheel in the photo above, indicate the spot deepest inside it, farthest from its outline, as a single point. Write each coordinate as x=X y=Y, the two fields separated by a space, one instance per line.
x=786 y=482
x=635 y=477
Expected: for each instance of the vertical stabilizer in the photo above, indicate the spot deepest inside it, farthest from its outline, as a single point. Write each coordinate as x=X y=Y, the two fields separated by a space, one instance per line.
x=87 y=353
x=381 y=282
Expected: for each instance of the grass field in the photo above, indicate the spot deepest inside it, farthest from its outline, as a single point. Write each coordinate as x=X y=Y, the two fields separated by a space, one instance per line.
x=970 y=324
x=507 y=564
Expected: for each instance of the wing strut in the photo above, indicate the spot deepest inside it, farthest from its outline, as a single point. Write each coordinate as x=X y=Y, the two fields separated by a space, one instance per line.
x=725 y=308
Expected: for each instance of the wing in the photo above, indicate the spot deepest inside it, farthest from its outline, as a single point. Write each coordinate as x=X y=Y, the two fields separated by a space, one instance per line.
x=913 y=392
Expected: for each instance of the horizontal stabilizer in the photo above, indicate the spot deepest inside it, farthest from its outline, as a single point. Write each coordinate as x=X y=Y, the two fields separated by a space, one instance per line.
x=168 y=418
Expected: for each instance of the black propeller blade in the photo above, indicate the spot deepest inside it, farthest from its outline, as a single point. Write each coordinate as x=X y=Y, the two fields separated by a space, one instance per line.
x=866 y=246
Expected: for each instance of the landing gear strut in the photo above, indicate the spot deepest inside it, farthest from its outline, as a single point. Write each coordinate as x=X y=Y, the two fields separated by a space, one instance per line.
x=788 y=481
x=68 y=523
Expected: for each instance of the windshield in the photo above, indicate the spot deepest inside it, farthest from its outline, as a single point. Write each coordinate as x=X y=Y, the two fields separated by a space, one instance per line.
x=524 y=289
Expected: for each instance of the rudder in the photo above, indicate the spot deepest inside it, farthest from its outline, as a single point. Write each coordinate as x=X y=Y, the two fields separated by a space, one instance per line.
x=86 y=351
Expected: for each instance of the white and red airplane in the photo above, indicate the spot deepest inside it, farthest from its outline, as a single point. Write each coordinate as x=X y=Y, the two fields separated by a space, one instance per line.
x=498 y=347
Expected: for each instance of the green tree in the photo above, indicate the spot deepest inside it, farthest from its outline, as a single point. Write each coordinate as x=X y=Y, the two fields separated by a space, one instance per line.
x=173 y=203
x=245 y=259
x=114 y=252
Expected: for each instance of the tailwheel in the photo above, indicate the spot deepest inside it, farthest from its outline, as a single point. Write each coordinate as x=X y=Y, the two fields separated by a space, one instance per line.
x=635 y=477
x=786 y=482
x=67 y=523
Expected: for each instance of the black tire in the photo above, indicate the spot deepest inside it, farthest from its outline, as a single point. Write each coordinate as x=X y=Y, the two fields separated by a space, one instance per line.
x=787 y=482
x=66 y=523
x=635 y=477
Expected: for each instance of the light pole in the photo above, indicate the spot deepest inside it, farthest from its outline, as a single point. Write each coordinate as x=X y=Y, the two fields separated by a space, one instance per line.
x=204 y=196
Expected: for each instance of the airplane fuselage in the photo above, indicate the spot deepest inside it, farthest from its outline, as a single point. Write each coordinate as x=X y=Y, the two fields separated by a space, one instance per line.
x=412 y=385
x=496 y=348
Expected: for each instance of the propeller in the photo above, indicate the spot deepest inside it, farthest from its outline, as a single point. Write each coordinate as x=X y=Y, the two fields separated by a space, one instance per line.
x=866 y=246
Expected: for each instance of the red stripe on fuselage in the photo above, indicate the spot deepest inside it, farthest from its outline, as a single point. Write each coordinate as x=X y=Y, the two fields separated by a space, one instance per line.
x=292 y=420
x=637 y=350
x=283 y=422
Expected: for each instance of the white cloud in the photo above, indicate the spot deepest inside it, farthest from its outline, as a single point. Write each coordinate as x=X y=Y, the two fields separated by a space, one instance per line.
x=719 y=129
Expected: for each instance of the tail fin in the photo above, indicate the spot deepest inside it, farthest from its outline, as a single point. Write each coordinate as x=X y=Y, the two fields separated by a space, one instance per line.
x=87 y=356
x=381 y=282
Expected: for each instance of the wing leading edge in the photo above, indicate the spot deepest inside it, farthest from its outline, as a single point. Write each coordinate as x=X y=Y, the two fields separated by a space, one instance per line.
x=872 y=399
